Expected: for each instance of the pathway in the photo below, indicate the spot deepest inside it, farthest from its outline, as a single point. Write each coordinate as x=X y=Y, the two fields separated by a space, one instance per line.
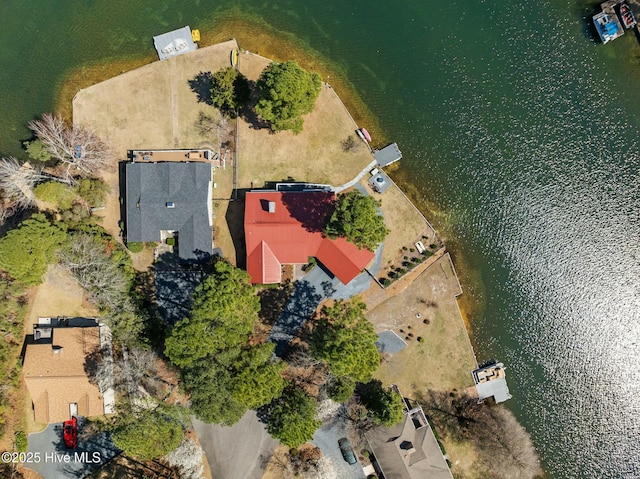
x=316 y=286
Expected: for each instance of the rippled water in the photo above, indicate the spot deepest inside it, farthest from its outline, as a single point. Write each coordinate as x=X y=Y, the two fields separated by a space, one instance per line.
x=515 y=125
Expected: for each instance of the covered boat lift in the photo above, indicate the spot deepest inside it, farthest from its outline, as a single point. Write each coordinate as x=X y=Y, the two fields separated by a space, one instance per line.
x=174 y=43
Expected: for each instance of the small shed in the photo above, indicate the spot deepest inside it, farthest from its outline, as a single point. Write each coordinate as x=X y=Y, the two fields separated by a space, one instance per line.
x=389 y=154
x=379 y=182
x=174 y=43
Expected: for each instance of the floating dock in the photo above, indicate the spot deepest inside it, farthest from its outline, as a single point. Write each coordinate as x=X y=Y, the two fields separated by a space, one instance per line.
x=607 y=22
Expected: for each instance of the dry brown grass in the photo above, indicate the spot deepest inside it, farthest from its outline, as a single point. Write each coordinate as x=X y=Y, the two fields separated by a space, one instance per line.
x=405 y=223
x=154 y=107
x=445 y=359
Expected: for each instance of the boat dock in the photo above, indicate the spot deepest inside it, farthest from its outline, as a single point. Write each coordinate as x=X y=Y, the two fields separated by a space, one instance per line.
x=609 y=22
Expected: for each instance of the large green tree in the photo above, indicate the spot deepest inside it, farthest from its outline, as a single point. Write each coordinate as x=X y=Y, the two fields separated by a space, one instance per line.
x=147 y=433
x=345 y=340
x=224 y=375
x=356 y=218
x=291 y=418
x=385 y=406
x=229 y=90
x=287 y=92
x=224 y=310
x=26 y=251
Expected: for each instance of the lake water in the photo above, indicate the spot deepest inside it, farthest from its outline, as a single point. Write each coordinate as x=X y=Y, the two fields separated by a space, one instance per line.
x=520 y=135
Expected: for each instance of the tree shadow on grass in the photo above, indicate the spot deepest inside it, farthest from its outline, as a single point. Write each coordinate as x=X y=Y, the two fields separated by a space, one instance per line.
x=201 y=86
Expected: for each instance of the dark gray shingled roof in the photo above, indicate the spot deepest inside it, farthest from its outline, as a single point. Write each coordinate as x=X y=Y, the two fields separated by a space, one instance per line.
x=150 y=186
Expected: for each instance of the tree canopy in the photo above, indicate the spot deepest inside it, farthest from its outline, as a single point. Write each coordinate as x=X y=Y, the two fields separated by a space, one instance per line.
x=147 y=433
x=37 y=151
x=223 y=373
x=224 y=310
x=229 y=90
x=345 y=340
x=291 y=418
x=385 y=406
x=287 y=92
x=356 y=218
x=55 y=193
x=26 y=251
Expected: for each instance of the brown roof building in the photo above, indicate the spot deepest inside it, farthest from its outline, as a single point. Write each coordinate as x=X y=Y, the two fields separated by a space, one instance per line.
x=54 y=370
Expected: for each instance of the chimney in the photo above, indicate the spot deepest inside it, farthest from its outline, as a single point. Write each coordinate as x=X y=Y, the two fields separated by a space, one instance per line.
x=272 y=206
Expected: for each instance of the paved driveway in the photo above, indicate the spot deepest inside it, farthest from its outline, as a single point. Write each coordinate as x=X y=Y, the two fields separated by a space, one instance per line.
x=316 y=286
x=326 y=438
x=57 y=462
x=236 y=452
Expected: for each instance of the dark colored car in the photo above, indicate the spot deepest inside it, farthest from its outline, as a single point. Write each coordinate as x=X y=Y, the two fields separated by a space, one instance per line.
x=70 y=433
x=347 y=451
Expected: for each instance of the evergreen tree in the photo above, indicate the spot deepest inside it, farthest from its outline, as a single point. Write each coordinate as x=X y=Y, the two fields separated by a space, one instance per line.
x=26 y=251
x=345 y=340
x=287 y=92
x=291 y=418
x=229 y=90
x=356 y=218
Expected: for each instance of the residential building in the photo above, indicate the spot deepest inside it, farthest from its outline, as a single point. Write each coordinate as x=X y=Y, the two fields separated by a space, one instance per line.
x=55 y=370
x=170 y=200
x=285 y=227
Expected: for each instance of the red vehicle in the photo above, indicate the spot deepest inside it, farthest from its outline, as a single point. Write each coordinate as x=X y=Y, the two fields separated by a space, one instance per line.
x=70 y=433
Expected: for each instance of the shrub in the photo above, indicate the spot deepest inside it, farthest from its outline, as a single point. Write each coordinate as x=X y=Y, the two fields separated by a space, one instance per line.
x=21 y=441
x=385 y=281
x=171 y=241
x=420 y=339
x=433 y=246
x=135 y=247
x=92 y=191
x=55 y=193
x=412 y=250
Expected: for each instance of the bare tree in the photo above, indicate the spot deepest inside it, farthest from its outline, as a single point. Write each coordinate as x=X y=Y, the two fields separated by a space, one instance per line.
x=105 y=282
x=17 y=182
x=80 y=150
x=188 y=458
x=504 y=448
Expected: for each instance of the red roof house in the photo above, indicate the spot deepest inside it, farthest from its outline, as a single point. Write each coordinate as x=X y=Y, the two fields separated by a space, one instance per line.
x=286 y=228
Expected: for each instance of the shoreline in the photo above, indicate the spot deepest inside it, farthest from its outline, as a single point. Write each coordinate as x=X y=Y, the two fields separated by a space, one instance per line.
x=90 y=98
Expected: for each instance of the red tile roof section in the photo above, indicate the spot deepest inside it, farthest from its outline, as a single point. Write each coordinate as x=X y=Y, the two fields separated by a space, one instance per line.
x=292 y=233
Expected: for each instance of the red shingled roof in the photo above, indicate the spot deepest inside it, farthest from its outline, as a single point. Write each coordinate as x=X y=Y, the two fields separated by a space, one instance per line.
x=292 y=233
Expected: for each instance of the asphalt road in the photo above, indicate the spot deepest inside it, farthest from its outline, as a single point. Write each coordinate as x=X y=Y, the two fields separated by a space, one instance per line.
x=54 y=461
x=236 y=452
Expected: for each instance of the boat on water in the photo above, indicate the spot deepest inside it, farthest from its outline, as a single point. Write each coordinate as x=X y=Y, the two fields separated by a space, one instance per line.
x=234 y=58
x=366 y=135
x=608 y=28
x=627 y=17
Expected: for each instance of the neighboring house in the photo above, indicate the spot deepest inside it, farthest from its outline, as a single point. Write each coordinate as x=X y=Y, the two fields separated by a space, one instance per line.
x=408 y=450
x=491 y=381
x=170 y=200
x=286 y=228
x=55 y=372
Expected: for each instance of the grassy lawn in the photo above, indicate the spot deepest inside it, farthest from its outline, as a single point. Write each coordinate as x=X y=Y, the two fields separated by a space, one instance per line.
x=444 y=359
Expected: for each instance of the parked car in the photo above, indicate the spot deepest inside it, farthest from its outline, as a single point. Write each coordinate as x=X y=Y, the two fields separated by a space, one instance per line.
x=70 y=433
x=347 y=451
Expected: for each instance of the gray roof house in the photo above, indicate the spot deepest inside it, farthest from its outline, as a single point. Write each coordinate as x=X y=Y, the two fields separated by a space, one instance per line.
x=173 y=197
x=408 y=450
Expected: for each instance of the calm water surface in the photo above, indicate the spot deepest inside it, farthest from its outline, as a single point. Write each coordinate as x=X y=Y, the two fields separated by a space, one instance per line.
x=514 y=123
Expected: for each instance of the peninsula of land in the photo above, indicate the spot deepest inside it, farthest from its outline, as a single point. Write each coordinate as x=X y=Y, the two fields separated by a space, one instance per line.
x=410 y=287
